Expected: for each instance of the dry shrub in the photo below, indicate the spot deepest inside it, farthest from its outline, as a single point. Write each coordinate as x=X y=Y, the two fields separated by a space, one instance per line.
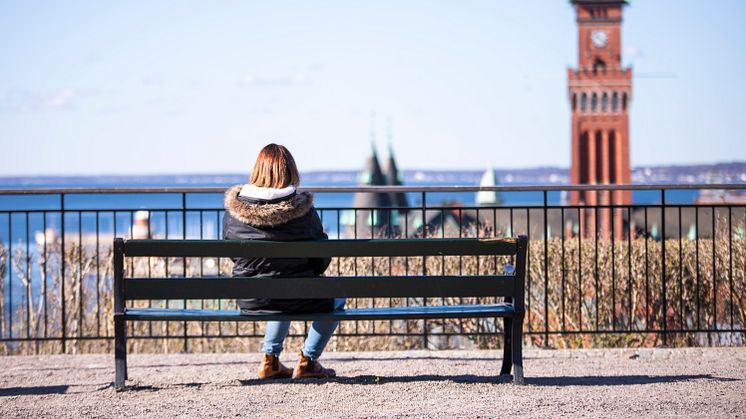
x=590 y=286
x=621 y=290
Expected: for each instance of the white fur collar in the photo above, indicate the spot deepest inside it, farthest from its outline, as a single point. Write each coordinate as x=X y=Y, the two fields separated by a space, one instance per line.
x=252 y=191
x=267 y=215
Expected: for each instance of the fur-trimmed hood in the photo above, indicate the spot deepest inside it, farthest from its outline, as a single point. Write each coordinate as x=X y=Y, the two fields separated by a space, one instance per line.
x=267 y=214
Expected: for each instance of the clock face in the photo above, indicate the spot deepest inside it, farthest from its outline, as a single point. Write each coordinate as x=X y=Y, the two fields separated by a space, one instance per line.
x=599 y=39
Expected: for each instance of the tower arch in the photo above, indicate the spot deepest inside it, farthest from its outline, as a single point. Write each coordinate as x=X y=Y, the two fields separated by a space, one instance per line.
x=594 y=102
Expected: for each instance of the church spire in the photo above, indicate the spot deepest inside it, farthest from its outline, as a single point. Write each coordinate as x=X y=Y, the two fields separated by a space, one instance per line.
x=393 y=176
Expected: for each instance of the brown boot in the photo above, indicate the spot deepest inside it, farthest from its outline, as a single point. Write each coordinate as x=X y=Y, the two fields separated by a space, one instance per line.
x=307 y=368
x=272 y=368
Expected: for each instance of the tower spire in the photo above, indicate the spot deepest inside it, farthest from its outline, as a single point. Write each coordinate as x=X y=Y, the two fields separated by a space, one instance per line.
x=373 y=129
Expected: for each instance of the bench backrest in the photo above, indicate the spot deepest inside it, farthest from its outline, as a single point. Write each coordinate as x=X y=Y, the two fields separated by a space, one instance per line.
x=328 y=287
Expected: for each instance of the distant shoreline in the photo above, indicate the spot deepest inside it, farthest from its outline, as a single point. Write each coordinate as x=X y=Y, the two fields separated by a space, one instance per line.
x=702 y=173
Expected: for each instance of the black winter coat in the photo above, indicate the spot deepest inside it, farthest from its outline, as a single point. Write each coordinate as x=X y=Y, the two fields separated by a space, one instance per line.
x=285 y=219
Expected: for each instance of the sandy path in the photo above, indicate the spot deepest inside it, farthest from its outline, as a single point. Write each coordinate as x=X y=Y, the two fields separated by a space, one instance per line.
x=660 y=382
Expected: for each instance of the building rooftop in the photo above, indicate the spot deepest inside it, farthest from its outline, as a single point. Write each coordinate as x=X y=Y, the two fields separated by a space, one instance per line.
x=371 y=175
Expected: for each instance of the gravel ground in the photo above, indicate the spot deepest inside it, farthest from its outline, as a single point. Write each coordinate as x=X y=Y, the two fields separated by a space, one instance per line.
x=629 y=382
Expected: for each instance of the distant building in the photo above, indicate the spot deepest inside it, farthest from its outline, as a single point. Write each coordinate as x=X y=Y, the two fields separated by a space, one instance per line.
x=452 y=220
x=448 y=221
x=714 y=196
x=394 y=178
x=369 y=218
x=600 y=91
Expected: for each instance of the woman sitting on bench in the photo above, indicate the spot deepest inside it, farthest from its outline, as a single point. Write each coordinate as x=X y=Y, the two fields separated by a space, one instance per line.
x=269 y=208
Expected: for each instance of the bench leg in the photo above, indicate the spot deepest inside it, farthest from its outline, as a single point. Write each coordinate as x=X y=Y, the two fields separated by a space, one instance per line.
x=120 y=352
x=507 y=348
x=517 y=349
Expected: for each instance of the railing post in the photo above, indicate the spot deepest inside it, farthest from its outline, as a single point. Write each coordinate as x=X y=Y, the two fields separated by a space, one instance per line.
x=663 y=266
x=10 y=280
x=183 y=261
x=63 y=316
x=546 y=270
x=424 y=266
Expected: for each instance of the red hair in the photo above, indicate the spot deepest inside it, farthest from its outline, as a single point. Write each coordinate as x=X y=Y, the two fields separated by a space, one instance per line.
x=274 y=168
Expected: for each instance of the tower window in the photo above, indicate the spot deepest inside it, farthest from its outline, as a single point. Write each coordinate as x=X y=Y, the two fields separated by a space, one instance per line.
x=598 y=13
x=583 y=102
x=614 y=102
x=594 y=102
x=599 y=65
x=604 y=102
x=574 y=101
x=624 y=102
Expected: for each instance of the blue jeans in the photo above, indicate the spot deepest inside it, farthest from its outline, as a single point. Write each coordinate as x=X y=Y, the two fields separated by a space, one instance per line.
x=316 y=340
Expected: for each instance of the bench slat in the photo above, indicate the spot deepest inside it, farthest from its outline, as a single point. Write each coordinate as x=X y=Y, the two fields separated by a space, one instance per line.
x=320 y=248
x=318 y=287
x=428 y=312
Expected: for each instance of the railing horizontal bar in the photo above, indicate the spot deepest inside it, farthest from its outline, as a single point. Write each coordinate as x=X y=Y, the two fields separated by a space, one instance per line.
x=54 y=338
x=418 y=208
x=367 y=334
x=317 y=287
x=320 y=249
x=506 y=188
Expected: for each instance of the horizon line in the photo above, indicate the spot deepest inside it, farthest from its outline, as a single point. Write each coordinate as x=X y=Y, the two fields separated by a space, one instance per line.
x=151 y=174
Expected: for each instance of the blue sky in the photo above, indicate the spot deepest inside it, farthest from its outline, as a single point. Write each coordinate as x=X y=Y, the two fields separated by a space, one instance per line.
x=198 y=87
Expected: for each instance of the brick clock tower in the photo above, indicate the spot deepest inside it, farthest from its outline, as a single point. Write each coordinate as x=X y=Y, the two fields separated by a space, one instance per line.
x=600 y=90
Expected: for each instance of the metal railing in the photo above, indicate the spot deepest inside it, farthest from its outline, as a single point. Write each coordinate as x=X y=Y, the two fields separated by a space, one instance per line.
x=655 y=271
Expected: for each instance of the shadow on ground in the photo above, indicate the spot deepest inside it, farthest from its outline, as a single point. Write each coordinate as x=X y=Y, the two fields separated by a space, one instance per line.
x=32 y=391
x=561 y=381
x=424 y=357
x=620 y=380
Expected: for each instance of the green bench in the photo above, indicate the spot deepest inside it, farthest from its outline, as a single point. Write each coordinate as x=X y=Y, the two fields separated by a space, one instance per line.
x=511 y=286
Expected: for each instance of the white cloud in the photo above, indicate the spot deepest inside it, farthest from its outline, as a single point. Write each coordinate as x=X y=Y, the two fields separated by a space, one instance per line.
x=59 y=99
x=285 y=80
x=152 y=80
x=29 y=101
